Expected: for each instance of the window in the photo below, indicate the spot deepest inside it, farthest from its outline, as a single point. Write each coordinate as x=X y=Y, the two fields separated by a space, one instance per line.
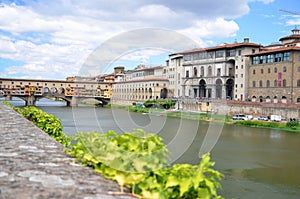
x=253 y=72
x=242 y=75
x=284 y=69
x=195 y=56
x=187 y=73
x=202 y=71
x=219 y=72
x=278 y=57
x=270 y=58
x=209 y=55
x=298 y=83
x=253 y=84
x=268 y=83
x=236 y=67
x=262 y=71
x=260 y=83
x=276 y=83
x=242 y=85
x=195 y=72
x=262 y=59
x=219 y=53
x=187 y=57
x=275 y=70
x=230 y=53
x=240 y=52
x=299 y=69
x=242 y=66
x=255 y=60
x=286 y=56
x=284 y=83
x=209 y=71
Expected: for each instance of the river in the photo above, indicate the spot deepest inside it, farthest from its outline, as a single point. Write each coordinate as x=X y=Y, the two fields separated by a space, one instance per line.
x=257 y=163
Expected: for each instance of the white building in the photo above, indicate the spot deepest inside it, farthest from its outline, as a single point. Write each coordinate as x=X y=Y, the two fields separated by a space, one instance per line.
x=218 y=72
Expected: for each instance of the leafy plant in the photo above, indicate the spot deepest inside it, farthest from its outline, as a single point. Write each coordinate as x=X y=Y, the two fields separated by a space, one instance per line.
x=167 y=104
x=140 y=162
x=292 y=124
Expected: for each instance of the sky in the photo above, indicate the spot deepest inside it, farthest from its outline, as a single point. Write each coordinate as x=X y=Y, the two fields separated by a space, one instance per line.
x=42 y=39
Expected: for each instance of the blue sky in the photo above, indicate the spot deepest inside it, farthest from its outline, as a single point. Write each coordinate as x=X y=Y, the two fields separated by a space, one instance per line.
x=53 y=39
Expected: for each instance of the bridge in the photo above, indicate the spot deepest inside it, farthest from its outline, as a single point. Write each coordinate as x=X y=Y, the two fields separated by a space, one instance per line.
x=72 y=91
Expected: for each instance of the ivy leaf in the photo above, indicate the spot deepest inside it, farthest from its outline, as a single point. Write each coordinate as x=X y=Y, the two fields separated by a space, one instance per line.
x=184 y=185
x=172 y=181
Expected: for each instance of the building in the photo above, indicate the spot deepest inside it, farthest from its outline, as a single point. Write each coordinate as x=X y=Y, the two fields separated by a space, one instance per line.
x=218 y=72
x=274 y=72
x=175 y=71
x=141 y=84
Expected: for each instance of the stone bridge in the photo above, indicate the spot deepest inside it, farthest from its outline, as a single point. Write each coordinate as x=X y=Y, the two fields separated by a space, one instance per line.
x=71 y=91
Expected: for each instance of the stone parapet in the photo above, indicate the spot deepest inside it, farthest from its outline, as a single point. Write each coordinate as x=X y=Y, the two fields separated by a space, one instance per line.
x=33 y=166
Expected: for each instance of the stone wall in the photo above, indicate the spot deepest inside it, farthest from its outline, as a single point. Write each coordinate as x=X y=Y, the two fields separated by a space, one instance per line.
x=224 y=107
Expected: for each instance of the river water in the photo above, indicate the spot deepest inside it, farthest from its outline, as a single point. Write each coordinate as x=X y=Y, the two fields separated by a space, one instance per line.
x=257 y=163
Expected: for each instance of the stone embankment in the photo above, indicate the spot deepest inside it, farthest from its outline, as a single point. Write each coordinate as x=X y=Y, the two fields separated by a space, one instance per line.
x=34 y=166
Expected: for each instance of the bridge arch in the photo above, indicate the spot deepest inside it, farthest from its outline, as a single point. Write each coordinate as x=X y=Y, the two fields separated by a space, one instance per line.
x=53 y=90
x=46 y=90
x=61 y=90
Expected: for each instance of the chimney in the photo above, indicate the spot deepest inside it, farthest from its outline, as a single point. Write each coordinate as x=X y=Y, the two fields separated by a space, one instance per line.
x=246 y=40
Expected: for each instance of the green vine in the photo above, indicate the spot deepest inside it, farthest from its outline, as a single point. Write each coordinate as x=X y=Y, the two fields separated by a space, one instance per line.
x=140 y=162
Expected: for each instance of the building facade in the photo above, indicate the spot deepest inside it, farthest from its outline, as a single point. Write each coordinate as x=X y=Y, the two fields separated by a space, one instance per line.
x=141 y=84
x=274 y=72
x=218 y=72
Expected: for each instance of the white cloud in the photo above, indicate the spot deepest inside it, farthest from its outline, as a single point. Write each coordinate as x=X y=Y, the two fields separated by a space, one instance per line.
x=53 y=38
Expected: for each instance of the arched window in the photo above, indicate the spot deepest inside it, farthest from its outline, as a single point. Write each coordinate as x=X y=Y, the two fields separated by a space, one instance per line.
x=195 y=72
x=262 y=71
x=268 y=83
x=260 y=83
x=298 y=83
x=275 y=70
x=284 y=83
x=284 y=69
x=253 y=72
x=275 y=83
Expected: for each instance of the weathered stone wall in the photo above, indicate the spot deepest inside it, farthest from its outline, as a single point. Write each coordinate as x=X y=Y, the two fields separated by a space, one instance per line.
x=234 y=107
x=33 y=166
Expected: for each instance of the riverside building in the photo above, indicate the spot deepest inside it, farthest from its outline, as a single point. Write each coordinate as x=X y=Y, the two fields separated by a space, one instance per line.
x=218 y=72
x=274 y=72
x=141 y=84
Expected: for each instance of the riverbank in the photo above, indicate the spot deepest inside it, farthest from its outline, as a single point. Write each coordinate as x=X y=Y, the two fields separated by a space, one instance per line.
x=34 y=166
x=285 y=126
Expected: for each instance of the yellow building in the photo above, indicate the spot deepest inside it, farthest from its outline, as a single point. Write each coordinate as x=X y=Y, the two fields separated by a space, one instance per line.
x=274 y=72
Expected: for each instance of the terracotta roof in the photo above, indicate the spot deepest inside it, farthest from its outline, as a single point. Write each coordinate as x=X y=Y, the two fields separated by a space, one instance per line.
x=225 y=46
x=267 y=51
x=294 y=36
